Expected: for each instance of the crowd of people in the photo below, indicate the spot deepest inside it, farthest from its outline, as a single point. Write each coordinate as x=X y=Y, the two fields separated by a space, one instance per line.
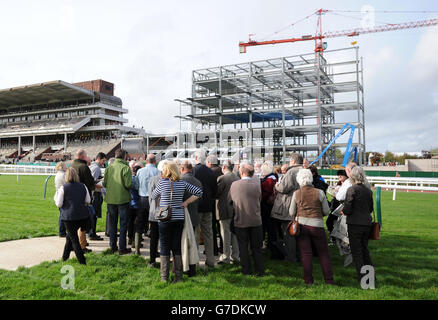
x=237 y=211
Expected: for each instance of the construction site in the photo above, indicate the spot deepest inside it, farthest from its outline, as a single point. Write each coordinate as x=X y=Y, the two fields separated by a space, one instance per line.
x=264 y=110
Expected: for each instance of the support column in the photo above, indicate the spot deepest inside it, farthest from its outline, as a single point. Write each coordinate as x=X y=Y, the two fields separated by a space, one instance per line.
x=147 y=144
x=364 y=160
x=19 y=146
x=318 y=106
x=33 y=147
x=65 y=142
x=283 y=116
x=358 y=107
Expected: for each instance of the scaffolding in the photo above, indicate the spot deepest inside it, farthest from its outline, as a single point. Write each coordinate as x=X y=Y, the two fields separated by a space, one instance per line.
x=267 y=109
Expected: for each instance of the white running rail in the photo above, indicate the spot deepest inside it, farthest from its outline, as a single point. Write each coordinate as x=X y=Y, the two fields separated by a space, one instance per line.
x=26 y=170
x=394 y=183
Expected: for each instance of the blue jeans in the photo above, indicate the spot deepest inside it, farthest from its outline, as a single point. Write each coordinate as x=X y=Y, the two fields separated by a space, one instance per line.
x=170 y=237
x=114 y=211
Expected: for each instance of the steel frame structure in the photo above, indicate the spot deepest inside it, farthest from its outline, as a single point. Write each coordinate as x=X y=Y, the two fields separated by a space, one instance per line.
x=277 y=106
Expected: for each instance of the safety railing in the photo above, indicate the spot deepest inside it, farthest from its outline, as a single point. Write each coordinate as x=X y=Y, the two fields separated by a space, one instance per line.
x=26 y=170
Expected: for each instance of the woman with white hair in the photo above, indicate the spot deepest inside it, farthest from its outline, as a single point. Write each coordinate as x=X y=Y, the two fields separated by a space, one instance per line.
x=358 y=206
x=309 y=205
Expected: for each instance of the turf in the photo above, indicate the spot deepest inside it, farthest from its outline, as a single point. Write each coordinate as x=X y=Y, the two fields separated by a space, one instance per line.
x=406 y=260
x=24 y=213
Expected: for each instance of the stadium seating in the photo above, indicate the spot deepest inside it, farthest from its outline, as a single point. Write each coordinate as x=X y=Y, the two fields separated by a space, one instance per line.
x=41 y=125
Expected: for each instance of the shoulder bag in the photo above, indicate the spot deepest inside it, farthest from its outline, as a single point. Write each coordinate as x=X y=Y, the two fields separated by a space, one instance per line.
x=293 y=228
x=375 y=229
x=165 y=214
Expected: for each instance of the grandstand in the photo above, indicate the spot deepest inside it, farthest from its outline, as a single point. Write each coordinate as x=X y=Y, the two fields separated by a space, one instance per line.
x=49 y=121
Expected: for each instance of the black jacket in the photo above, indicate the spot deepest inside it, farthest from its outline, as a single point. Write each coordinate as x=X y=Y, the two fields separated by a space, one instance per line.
x=209 y=187
x=358 y=205
x=73 y=207
x=193 y=207
x=319 y=184
x=85 y=175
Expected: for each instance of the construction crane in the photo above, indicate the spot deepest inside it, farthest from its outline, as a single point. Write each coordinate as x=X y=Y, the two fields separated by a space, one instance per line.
x=319 y=36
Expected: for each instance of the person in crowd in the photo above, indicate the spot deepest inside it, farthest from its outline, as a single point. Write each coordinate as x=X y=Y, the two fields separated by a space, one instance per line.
x=118 y=182
x=342 y=192
x=107 y=223
x=280 y=210
x=277 y=170
x=342 y=176
x=59 y=182
x=85 y=177
x=225 y=214
x=72 y=199
x=171 y=190
x=186 y=170
x=96 y=172
x=205 y=207
x=310 y=204
x=133 y=210
x=257 y=169
x=318 y=181
x=284 y=168
x=131 y=164
x=143 y=177
x=306 y=163
x=340 y=226
x=245 y=195
x=154 y=209
x=358 y=206
x=268 y=181
x=213 y=163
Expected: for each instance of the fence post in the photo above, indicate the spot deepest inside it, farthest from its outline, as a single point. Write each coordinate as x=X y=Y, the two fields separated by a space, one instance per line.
x=378 y=205
x=45 y=186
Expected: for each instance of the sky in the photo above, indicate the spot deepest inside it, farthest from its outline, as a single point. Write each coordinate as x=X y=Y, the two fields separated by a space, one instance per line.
x=148 y=49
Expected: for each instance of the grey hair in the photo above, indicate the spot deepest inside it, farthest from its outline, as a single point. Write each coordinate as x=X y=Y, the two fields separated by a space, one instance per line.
x=298 y=158
x=304 y=177
x=212 y=159
x=200 y=156
x=229 y=165
x=266 y=168
x=351 y=165
x=357 y=175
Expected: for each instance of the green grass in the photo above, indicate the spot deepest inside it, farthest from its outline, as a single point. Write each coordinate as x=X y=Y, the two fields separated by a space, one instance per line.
x=23 y=211
x=406 y=260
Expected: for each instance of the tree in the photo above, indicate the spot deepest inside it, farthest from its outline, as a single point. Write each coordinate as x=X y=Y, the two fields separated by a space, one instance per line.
x=389 y=156
x=339 y=155
x=401 y=159
x=376 y=158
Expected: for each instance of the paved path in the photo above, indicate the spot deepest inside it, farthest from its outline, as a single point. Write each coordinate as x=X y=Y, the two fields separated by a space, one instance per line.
x=31 y=252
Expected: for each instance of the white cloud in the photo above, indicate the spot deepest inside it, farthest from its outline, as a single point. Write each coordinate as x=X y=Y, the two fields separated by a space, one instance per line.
x=424 y=64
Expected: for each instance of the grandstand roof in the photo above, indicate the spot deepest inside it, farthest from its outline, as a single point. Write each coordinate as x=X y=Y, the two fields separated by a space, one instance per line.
x=40 y=93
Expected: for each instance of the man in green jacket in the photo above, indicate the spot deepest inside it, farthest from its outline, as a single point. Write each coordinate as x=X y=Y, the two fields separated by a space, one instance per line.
x=117 y=181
